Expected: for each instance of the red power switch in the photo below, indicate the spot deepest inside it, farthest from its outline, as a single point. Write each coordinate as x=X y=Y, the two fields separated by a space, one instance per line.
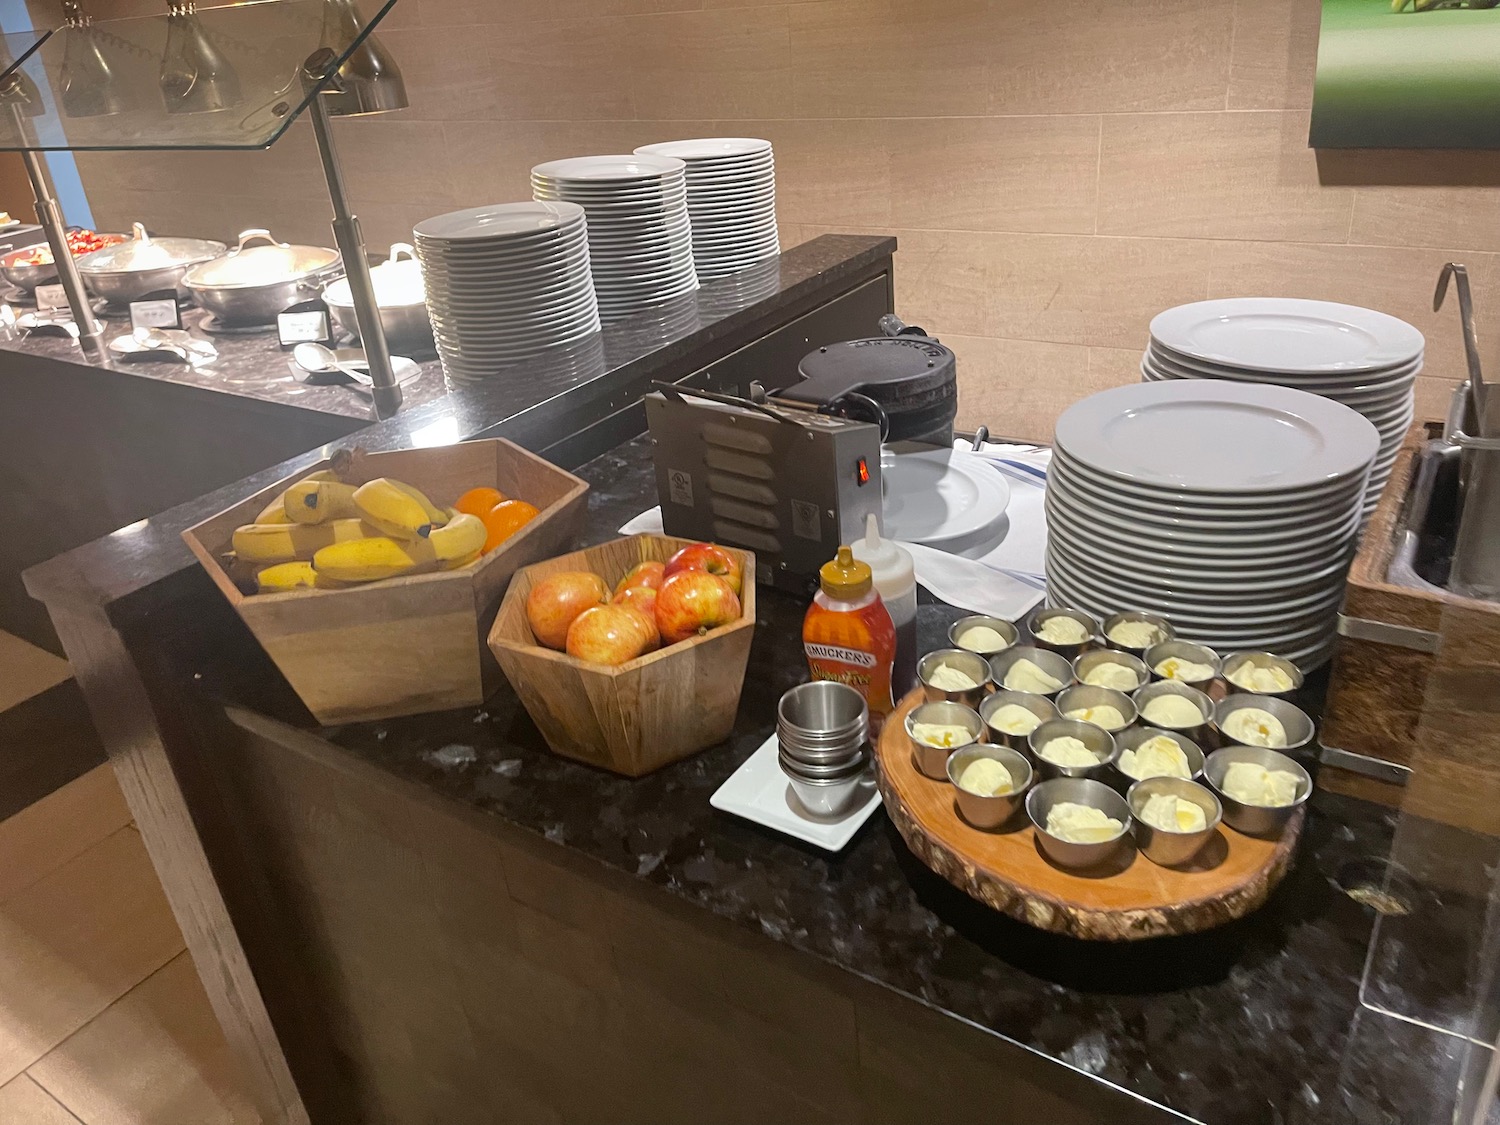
x=863 y=473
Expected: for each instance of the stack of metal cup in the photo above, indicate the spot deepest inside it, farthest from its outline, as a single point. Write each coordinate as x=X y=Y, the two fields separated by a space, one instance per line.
x=822 y=735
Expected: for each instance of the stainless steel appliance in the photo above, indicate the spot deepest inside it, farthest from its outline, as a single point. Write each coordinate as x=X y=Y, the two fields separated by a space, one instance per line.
x=776 y=478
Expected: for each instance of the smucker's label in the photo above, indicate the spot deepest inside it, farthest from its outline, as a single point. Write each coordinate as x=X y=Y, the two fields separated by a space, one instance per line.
x=817 y=652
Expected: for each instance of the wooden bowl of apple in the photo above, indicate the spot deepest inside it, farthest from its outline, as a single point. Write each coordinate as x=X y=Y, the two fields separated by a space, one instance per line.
x=630 y=655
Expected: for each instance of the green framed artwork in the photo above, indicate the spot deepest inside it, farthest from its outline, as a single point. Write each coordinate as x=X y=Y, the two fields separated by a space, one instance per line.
x=1408 y=74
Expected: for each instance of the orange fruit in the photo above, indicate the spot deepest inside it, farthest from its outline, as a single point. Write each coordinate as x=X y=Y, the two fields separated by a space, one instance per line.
x=505 y=519
x=478 y=501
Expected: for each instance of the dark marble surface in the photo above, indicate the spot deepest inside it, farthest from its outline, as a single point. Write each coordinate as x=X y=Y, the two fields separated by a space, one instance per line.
x=1257 y=1023
x=134 y=571
x=249 y=365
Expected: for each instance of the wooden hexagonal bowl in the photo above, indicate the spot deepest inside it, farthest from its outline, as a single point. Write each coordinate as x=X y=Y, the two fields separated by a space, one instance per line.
x=404 y=645
x=641 y=715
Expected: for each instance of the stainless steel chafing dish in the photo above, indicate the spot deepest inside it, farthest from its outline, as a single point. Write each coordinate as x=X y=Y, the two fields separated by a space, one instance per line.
x=261 y=277
x=143 y=265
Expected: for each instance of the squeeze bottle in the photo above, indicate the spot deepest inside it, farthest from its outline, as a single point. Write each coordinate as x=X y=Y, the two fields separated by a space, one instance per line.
x=895 y=579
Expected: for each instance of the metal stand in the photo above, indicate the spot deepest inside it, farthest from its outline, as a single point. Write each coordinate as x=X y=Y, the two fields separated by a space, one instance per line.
x=351 y=243
x=49 y=214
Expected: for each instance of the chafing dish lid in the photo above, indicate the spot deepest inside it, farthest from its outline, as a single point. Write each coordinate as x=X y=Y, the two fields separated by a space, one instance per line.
x=142 y=252
x=268 y=263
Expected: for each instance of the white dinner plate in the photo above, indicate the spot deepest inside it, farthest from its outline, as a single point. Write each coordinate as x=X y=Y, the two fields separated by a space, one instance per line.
x=760 y=792
x=1173 y=364
x=1206 y=435
x=940 y=496
x=708 y=148
x=1287 y=334
x=500 y=221
x=593 y=169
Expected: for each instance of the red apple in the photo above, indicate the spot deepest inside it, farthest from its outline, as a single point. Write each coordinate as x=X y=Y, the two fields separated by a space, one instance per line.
x=647 y=574
x=556 y=600
x=610 y=634
x=709 y=557
x=642 y=598
x=692 y=602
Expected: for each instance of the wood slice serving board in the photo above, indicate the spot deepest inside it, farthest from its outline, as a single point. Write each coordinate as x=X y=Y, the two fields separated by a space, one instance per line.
x=1128 y=899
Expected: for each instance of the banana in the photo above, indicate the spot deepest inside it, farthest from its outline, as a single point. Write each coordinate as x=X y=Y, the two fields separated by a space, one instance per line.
x=319 y=501
x=370 y=560
x=459 y=538
x=274 y=512
x=398 y=509
x=459 y=564
x=283 y=542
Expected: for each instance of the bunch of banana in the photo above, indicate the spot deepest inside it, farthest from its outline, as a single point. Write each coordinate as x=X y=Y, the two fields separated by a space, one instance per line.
x=324 y=534
x=455 y=544
x=398 y=509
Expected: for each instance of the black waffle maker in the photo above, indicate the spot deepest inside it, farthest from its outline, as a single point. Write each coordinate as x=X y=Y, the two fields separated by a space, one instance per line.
x=904 y=381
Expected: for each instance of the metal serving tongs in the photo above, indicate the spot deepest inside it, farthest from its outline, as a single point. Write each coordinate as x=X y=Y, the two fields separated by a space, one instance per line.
x=1476 y=420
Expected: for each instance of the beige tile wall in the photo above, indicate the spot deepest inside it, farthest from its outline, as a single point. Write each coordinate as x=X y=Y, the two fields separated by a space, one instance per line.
x=1057 y=172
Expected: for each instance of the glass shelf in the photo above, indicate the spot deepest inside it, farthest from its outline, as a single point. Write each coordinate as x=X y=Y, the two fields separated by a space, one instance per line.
x=224 y=77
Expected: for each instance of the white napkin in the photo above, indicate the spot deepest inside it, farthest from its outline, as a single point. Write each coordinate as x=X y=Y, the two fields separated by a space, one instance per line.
x=1009 y=580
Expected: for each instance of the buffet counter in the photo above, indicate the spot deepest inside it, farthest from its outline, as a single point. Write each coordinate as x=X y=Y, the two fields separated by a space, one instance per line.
x=433 y=917
x=92 y=445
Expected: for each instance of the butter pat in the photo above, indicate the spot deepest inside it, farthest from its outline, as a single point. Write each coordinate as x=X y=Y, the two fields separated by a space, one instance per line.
x=1101 y=716
x=1062 y=631
x=981 y=638
x=1251 y=726
x=1014 y=719
x=1156 y=757
x=1176 y=668
x=1069 y=751
x=1252 y=784
x=987 y=778
x=1108 y=674
x=944 y=736
x=1026 y=675
x=1172 y=711
x=1136 y=634
x=1251 y=677
x=1173 y=814
x=1081 y=824
x=945 y=677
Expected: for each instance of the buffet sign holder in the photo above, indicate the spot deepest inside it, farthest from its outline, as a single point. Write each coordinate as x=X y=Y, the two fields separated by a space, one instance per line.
x=231 y=77
x=1126 y=899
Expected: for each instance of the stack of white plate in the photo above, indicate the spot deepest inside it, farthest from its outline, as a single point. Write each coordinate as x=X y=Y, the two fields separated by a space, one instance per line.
x=505 y=282
x=731 y=196
x=1364 y=359
x=640 y=240
x=1231 y=509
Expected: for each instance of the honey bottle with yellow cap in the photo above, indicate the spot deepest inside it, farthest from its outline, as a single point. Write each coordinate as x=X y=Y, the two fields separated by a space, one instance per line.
x=848 y=635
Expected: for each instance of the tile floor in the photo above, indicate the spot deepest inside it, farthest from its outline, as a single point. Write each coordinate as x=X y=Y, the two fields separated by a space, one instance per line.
x=102 y=1018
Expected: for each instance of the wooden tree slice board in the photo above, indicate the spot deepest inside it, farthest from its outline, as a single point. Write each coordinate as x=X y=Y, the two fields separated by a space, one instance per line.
x=1129 y=899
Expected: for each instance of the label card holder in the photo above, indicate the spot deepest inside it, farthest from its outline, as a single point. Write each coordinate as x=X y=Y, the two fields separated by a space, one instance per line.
x=51 y=297
x=156 y=310
x=304 y=323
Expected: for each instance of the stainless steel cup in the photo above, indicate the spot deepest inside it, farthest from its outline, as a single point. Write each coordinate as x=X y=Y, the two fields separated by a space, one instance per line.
x=932 y=761
x=1080 y=791
x=1082 y=697
x=984 y=811
x=971 y=664
x=1255 y=820
x=1091 y=661
x=1049 y=662
x=1038 y=705
x=1068 y=651
x=1235 y=662
x=1199 y=731
x=1296 y=722
x=1098 y=740
x=1133 y=738
x=1165 y=847
x=1183 y=650
x=1008 y=632
x=1163 y=627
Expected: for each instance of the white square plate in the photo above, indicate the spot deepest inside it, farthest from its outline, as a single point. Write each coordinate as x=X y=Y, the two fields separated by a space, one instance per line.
x=759 y=791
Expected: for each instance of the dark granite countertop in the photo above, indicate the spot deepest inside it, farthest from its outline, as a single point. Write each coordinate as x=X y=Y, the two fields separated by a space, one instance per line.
x=132 y=571
x=250 y=365
x=1256 y=1023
